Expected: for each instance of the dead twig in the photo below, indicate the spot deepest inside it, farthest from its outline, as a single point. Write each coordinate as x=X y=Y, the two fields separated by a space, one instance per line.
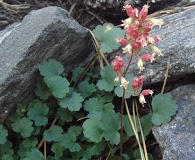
x=13 y=8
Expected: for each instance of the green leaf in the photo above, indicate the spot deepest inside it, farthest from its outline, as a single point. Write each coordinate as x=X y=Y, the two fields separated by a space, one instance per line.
x=163 y=108
x=7 y=157
x=110 y=123
x=92 y=129
x=95 y=107
x=38 y=113
x=65 y=114
x=97 y=148
x=95 y=72
x=51 y=68
x=21 y=109
x=22 y=152
x=73 y=102
x=107 y=36
x=107 y=79
x=58 y=149
x=41 y=90
x=86 y=89
x=30 y=142
x=59 y=86
x=136 y=154
x=23 y=126
x=146 y=124
x=129 y=92
x=33 y=154
x=3 y=134
x=77 y=73
x=6 y=148
x=75 y=130
x=68 y=140
x=53 y=134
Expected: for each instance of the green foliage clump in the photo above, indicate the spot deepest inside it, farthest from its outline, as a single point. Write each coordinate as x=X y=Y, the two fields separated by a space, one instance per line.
x=80 y=118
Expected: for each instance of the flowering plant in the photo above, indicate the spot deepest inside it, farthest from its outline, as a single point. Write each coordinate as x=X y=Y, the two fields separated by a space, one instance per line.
x=78 y=117
x=137 y=28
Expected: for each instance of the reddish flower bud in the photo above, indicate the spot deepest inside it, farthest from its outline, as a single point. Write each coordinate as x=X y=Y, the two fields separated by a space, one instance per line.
x=130 y=11
x=143 y=39
x=140 y=81
x=132 y=32
x=147 y=27
x=144 y=12
x=136 y=45
x=122 y=41
x=135 y=83
x=156 y=38
x=118 y=65
x=147 y=57
x=147 y=92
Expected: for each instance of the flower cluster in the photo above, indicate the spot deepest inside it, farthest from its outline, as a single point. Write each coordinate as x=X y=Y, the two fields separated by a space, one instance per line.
x=137 y=27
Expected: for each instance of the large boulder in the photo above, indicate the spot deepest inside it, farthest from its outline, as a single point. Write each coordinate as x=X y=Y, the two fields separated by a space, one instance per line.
x=177 y=138
x=178 y=43
x=43 y=34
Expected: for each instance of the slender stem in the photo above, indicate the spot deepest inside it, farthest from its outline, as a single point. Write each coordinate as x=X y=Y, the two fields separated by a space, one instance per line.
x=43 y=140
x=45 y=150
x=122 y=109
x=142 y=134
x=131 y=57
x=134 y=130
x=121 y=119
x=166 y=74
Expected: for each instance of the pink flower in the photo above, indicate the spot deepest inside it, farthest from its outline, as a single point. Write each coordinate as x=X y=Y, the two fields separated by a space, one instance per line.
x=147 y=57
x=132 y=32
x=135 y=84
x=144 y=12
x=147 y=92
x=131 y=12
x=122 y=41
x=136 y=45
x=143 y=39
x=147 y=27
x=156 y=38
x=118 y=64
x=140 y=81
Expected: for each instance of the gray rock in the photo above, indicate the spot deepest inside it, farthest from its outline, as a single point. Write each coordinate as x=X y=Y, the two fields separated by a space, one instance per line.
x=178 y=42
x=102 y=5
x=177 y=138
x=43 y=34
